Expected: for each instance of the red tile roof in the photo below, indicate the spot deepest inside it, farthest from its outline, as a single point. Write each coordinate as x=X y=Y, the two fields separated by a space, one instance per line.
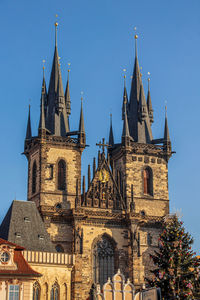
x=23 y=268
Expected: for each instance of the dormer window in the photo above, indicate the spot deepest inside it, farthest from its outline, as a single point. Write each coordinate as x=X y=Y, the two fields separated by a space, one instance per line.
x=18 y=234
x=41 y=237
x=26 y=219
x=5 y=257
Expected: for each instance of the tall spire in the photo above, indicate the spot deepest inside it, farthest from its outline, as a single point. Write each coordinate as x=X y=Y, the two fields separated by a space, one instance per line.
x=56 y=119
x=125 y=133
x=134 y=96
x=144 y=127
x=81 y=122
x=125 y=96
x=111 y=137
x=149 y=104
x=67 y=95
x=28 y=129
x=166 y=130
x=42 y=101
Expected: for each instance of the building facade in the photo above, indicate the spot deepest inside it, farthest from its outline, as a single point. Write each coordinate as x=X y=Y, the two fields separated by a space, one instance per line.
x=115 y=222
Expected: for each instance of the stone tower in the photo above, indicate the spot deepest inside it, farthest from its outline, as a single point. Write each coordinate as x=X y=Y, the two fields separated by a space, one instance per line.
x=54 y=157
x=115 y=223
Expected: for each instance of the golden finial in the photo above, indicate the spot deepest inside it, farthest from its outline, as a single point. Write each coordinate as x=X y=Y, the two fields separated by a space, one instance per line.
x=148 y=73
x=69 y=64
x=81 y=96
x=56 y=23
x=43 y=62
x=135 y=29
x=124 y=70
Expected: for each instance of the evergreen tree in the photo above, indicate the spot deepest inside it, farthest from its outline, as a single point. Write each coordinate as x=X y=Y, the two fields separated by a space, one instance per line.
x=177 y=267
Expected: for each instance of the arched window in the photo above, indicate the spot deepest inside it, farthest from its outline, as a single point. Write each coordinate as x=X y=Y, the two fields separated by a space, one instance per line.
x=61 y=175
x=54 y=292
x=149 y=239
x=148 y=181
x=34 y=177
x=36 y=291
x=103 y=260
x=59 y=249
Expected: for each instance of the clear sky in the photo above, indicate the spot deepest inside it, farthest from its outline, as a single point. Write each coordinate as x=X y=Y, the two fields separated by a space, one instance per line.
x=97 y=38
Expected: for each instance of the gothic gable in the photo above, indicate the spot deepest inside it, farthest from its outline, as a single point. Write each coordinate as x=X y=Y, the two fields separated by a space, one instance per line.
x=103 y=191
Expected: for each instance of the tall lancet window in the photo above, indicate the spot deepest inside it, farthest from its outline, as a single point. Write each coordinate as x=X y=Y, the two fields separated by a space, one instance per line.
x=103 y=260
x=61 y=175
x=148 y=181
x=55 y=292
x=34 y=177
x=36 y=291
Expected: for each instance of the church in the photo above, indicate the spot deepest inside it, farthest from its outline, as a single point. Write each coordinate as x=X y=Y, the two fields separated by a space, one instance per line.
x=77 y=232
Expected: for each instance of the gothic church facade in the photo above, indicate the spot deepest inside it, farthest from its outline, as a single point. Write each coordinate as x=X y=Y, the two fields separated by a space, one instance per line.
x=115 y=222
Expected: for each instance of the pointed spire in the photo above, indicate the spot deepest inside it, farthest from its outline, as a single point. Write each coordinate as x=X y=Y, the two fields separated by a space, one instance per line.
x=94 y=166
x=28 y=129
x=125 y=133
x=81 y=122
x=142 y=105
x=134 y=96
x=89 y=175
x=42 y=103
x=125 y=96
x=111 y=137
x=149 y=104
x=67 y=95
x=166 y=131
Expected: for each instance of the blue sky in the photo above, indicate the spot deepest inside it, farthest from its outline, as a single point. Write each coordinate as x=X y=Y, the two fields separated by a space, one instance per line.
x=97 y=38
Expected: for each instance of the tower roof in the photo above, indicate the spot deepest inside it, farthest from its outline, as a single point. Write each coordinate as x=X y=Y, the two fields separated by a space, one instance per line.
x=67 y=97
x=43 y=101
x=81 y=121
x=28 y=129
x=166 y=130
x=111 y=137
x=56 y=119
x=149 y=103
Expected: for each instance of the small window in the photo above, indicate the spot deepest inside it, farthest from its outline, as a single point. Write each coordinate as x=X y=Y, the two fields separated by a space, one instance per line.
x=58 y=205
x=62 y=175
x=26 y=220
x=34 y=176
x=149 y=239
x=59 y=249
x=142 y=213
x=41 y=237
x=14 y=292
x=148 y=181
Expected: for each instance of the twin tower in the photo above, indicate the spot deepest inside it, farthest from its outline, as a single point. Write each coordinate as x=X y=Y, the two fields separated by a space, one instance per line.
x=115 y=223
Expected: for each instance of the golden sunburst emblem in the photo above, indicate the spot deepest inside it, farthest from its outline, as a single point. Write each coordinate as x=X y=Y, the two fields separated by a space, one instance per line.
x=103 y=175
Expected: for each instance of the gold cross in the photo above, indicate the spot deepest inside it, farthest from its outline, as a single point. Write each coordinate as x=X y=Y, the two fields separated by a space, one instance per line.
x=102 y=145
